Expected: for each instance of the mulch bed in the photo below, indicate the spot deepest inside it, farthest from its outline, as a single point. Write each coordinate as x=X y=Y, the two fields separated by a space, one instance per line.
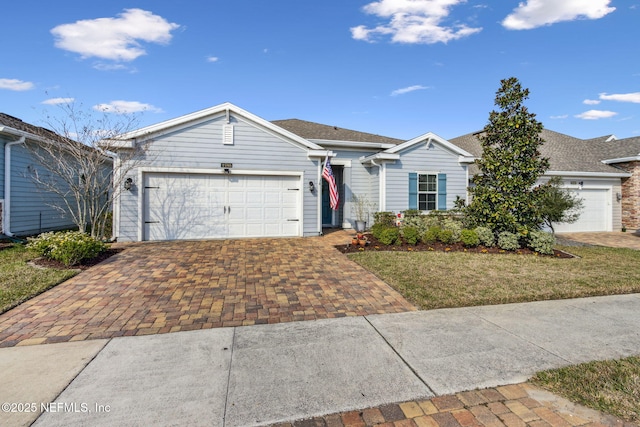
x=374 y=245
x=87 y=263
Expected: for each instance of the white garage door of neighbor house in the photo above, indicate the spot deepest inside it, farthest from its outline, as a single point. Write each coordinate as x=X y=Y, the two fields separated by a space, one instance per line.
x=200 y=206
x=595 y=215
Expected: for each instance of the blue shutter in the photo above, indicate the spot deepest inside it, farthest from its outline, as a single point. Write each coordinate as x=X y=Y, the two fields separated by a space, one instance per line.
x=442 y=191
x=413 y=190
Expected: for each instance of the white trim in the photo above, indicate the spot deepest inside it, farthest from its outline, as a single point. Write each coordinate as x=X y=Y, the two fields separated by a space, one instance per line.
x=434 y=173
x=116 y=171
x=383 y=187
x=345 y=163
x=320 y=153
x=466 y=195
x=241 y=172
x=622 y=160
x=358 y=146
x=382 y=156
x=319 y=197
x=153 y=169
x=588 y=174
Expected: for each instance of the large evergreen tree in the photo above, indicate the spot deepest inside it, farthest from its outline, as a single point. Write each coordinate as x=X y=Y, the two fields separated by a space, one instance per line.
x=504 y=195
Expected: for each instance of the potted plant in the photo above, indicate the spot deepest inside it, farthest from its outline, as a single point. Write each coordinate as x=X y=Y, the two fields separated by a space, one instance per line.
x=361 y=207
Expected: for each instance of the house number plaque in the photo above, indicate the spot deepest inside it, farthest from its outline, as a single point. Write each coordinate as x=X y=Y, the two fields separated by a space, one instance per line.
x=226 y=165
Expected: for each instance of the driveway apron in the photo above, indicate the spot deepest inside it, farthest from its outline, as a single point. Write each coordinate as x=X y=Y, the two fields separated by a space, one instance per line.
x=153 y=288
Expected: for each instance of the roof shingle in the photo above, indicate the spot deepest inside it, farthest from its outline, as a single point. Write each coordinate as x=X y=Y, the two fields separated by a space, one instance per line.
x=310 y=130
x=565 y=152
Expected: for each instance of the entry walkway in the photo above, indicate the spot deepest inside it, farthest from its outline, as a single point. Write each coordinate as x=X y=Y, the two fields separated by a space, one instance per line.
x=410 y=369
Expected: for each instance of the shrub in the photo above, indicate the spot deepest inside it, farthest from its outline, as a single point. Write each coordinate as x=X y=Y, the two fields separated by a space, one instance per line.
x=411 y=235
x=432 y=220
x=455 y=226
x=377 y=230
x=385 y=218
x=411 y=213
x=431 y=235
x=67 y=247
x=446 y=236
x=541 y=242
x=389 y=236
x=486 y=236
x=469 y=238
x=417 y=222
x=508 y=241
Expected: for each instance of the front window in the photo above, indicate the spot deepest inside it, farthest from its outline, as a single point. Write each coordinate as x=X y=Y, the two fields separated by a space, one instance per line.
x=427 y=192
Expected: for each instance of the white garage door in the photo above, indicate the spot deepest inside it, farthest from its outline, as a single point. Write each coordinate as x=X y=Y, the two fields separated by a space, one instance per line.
x=199 y=206
x=596 y=213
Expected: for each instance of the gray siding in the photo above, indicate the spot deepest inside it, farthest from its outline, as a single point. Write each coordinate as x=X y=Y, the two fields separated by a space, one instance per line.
x=200 y=147
x=419 y=159
x=30 y=208
x=359 y=180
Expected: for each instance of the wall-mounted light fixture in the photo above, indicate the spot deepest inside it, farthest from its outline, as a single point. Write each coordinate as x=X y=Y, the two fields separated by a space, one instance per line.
x=618 y=197
x=580 y=185
x=227 y=170
x=312 y=186
x=128 y=184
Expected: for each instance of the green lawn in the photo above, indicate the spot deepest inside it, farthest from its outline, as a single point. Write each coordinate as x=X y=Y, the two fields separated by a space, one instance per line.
x=611 y=386
x=20 y=281
x=437 y=279
x=456 y=279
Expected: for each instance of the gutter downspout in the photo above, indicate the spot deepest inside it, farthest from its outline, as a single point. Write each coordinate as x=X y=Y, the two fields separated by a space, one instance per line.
x=6 y=216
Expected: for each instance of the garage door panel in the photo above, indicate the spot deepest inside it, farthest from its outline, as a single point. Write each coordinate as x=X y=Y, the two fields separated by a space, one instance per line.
x=196 y=206
x=596 y=212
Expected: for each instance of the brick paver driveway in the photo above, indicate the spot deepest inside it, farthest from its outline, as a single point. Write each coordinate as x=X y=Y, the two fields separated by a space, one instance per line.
x=153 y=288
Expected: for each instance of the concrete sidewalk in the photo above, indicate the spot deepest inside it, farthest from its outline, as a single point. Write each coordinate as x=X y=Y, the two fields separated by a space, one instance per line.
x=263 y=374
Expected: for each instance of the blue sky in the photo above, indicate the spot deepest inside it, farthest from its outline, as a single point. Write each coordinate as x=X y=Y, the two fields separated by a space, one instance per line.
x=398 y=68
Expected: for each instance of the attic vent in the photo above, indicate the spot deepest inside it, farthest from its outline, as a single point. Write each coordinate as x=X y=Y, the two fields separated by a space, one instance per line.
x=227 y=134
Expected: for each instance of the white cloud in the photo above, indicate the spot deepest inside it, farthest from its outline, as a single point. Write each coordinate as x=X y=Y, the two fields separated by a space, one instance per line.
x=116 y=39
x=622 y=97
x=111 y=67
x=591 y=102
x=537 y=13
x=126 y=107
x=408 y=89
x=413 y=21
x=596 y=114
x=15 y=84
x=563 y=116
x=212 y=59
x=58 y=101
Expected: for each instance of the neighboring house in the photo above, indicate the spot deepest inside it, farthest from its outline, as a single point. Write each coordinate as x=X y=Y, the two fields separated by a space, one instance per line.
x=603 y=172
x=25 y=209
x=224 y=172
x=625 y=154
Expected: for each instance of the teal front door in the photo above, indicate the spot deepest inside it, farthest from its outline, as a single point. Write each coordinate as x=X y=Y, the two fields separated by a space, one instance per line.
x=327 y=213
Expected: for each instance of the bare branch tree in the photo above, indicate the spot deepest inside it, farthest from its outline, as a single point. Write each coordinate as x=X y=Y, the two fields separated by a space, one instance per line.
x=74 y=164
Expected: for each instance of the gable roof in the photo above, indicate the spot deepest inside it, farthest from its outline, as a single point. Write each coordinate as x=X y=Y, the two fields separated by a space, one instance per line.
x=619 y=150
x=430 y=136
x=122 y=141
x=317 y=131
x=565 y=153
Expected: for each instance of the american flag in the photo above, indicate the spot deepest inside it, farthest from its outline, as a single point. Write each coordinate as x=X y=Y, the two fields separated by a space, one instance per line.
x=327 y=173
